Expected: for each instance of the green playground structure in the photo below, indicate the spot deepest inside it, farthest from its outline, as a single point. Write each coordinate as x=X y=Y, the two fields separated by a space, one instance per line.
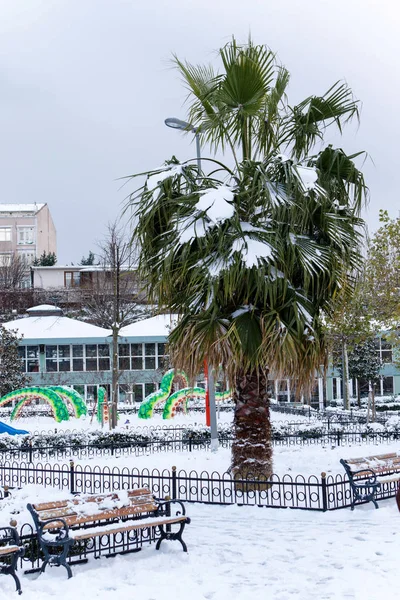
x=57 y=397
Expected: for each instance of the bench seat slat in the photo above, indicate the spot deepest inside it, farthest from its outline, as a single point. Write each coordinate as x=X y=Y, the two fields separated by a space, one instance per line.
x=132 y=494
x=8 y=550
x=112 y=513
x=121 y=527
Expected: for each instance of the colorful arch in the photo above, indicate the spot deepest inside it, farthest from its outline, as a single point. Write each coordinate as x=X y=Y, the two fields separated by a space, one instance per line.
x=101 y=403
x=26 y=395
x=154 y=399
x=72 y=397
x=177 y=399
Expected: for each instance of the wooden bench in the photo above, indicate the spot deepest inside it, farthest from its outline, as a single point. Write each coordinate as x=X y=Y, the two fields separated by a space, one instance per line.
x=62 y=524
x=10 y=551
x=368 y=473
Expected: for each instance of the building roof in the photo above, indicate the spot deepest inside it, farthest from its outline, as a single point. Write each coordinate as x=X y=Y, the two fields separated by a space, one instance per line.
x=55 y=328
x=18 y=208
x=155 y=327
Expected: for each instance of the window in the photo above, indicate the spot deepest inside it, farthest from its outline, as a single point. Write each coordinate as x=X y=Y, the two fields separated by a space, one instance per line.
x=26 y=235
x=387 y=386
x=72 y=279
x=149 y=388
x=28 y=257
x=138 y=392
x=5 y=234
x=29 y=356
x=136 y=357
x=5 y=260
x=92 y=357
x=386 y=351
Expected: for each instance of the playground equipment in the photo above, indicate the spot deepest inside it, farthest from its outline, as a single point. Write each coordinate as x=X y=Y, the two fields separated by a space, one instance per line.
x=101 y=409
x=177 y=399
x=55 y=396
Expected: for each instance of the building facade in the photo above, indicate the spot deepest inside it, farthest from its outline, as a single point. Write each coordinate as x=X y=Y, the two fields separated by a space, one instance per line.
x=57 y=350
x=26 y=230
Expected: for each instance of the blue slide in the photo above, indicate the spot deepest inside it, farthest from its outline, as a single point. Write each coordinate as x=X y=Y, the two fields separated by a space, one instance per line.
x=7 y=429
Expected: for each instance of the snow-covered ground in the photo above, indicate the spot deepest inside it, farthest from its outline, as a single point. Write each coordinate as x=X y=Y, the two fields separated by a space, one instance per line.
x=243 y=553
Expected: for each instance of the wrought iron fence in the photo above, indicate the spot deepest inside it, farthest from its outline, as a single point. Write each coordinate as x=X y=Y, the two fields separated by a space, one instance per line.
x=317 y=493
x=191 y=442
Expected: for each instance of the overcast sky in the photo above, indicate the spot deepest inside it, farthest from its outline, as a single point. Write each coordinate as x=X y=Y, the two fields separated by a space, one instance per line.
x=85 y=86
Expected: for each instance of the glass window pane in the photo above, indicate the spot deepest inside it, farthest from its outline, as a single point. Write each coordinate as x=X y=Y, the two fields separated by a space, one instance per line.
x=51 y=365
x=64 y=365
x=136 y=350
x=150 y=363
x=137 y=363
x=33 y=351
x=91 y=350
x=104 y=350
x=104 y=364
x=124 y=363
x=387 y=385
x=77 y=351
x=149 y=388
x=150 y=349
x=22 y=351
x=64 y=351
x=123 y=349
x=33 y=366
x=51 y=351
x=77 y=364
x=138 y=392
x=91 y=364
x=161 y=349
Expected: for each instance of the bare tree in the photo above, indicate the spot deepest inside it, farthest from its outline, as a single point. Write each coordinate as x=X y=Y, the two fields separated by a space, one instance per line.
x=114 y=296
x=13 y=272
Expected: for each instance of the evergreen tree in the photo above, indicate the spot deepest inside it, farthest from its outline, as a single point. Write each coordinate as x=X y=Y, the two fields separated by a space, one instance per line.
x=365 y=363
x=11 y=376
x=46 y=260
x=89 y=260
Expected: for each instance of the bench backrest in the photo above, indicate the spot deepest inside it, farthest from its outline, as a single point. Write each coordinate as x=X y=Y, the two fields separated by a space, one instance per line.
x=380 y=463
x=86 y=509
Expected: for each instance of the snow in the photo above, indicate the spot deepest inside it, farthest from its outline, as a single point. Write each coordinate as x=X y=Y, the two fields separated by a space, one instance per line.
x=55 y=327
x=217 y=203
x=158 y=326
x=31 y=208
x=154 y=180
x=244 y=553
x=235 y=553
x=307 y=176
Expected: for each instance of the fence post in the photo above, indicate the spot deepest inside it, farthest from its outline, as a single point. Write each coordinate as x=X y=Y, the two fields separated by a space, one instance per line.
x=30 y=451
x=324 y=492
x=190 y=441
x=174 y=493
x=71 y=476
x=112 y=447
x=338 y=436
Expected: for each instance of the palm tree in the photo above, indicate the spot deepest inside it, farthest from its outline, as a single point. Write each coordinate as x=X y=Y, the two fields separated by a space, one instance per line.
x=252 y=256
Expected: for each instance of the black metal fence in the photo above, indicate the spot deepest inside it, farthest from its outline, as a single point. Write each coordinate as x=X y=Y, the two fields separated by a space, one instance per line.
x=192 y=442
x=316 y=493
x=308 y=493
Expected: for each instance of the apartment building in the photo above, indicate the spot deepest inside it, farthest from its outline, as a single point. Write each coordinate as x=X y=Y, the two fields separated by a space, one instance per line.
x=26 y=230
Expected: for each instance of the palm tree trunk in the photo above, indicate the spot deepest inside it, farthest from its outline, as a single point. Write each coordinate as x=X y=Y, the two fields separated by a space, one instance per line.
x=252 y=448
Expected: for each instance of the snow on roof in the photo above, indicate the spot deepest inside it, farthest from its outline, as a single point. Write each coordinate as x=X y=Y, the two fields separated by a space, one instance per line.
x=55 y=327
x=43 y=308
x=158 y=326
x=10 y=208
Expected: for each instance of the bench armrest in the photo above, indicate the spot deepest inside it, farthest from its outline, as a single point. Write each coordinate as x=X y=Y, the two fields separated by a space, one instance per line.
x=371 y=478
x=62 y=532
x=9 y=534
x=165 y=506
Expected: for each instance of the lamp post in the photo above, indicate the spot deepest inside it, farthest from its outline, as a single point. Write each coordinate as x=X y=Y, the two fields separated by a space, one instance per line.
x=183 y=126
x=211 y=412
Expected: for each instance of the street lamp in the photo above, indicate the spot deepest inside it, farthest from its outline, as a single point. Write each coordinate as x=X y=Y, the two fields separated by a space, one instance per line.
x=183 y=126
x=211 y=413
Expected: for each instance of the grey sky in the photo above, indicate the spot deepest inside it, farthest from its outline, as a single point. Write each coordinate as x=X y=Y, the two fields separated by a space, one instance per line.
x=85 y=86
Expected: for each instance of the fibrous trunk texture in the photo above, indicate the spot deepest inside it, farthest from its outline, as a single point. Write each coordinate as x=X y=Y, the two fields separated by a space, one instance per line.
x=252 y=448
